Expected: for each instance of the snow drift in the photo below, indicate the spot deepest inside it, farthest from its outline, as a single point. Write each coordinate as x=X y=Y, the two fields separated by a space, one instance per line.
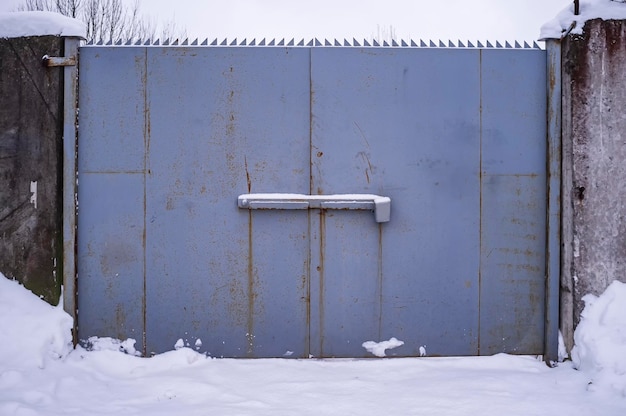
x=40 y=375
x=33 y=332
x=600 y=339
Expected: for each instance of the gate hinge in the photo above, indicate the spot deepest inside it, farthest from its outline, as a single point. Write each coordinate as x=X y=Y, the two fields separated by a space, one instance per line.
x=58 y=60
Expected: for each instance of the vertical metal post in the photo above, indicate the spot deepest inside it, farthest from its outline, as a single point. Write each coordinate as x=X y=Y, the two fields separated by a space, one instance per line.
x=553 y=241
x=70 y=95
x=576 y=7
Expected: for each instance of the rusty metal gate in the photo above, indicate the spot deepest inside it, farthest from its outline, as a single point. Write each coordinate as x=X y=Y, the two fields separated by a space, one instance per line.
x=183 y=150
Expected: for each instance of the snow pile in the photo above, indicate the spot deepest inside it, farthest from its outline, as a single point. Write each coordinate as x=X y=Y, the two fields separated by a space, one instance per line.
x=589 y=9
x=112 y=344
x=379 y=348
x=600 y=339
x=106 y=381
x=33 y=332
x=18 y=24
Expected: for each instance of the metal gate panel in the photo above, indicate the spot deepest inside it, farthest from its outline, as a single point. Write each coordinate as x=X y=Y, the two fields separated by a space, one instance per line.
x=213 y=123
x=225 y=122
x=513 y=217
x=404 y=124
x=346 y=291
x=169 y=137
x=110 y=231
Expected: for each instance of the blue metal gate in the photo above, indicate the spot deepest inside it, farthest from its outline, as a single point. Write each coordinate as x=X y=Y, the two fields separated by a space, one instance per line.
x=170 y=139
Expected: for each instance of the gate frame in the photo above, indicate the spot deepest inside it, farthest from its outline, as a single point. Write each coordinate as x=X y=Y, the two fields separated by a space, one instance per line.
x=553 y=211
x=70 y=183
x=553 y=220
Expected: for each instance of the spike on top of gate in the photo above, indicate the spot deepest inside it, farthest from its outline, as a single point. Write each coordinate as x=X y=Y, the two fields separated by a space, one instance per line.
x=321 y=42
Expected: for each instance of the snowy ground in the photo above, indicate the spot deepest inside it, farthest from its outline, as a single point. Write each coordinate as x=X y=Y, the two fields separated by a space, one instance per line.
x=40 y=374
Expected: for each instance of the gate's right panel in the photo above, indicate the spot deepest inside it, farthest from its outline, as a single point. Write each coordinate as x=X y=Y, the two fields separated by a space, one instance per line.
x=456 y=138
x=402 y=123
x=513 y=201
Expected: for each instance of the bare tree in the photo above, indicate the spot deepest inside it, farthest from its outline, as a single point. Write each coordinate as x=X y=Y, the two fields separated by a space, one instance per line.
x=65 y=7
x=384 y=34
x=68 y=7
x=107 y=20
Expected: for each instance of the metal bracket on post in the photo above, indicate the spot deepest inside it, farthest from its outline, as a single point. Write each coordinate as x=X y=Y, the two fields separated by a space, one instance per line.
x=381 y=205
x=50 y=61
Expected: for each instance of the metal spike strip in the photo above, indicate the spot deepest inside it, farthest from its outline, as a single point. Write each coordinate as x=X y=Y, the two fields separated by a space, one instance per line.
x=315 y=42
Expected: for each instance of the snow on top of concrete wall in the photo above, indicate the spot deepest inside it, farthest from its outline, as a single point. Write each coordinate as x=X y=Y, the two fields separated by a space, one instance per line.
x=589 y=9
x=18 y=24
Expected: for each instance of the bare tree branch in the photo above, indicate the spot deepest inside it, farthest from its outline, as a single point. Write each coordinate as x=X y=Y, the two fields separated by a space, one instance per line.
x=107 y=20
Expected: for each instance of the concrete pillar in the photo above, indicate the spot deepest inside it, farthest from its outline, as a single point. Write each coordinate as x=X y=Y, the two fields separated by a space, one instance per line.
x=31 y=125
x=594 y=165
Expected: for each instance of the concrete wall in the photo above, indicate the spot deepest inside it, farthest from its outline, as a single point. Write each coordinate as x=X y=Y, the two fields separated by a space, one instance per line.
x=31 y=122
x=594 y=164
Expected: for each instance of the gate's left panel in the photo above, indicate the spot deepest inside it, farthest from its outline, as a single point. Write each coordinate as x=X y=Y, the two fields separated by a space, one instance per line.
x=168 y=139
x=111 y=172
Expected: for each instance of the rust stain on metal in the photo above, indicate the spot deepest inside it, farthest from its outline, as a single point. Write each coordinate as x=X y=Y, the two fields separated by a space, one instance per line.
x=380 y=280
x=120 y=322
x=251 y=293
x=308 y=273
x=369 y=168
x=245 y=162
x=320 y=270
x=362 y=134
x=146 y=138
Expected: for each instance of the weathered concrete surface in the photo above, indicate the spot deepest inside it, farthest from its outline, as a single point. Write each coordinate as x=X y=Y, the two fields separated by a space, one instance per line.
x=30 y=156
x=594 y=131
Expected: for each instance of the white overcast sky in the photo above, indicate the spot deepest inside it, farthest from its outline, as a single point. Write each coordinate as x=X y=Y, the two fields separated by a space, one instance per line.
x=418 y=19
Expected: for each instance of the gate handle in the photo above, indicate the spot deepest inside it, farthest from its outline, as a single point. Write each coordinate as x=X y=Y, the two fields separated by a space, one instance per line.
x=380 y=204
